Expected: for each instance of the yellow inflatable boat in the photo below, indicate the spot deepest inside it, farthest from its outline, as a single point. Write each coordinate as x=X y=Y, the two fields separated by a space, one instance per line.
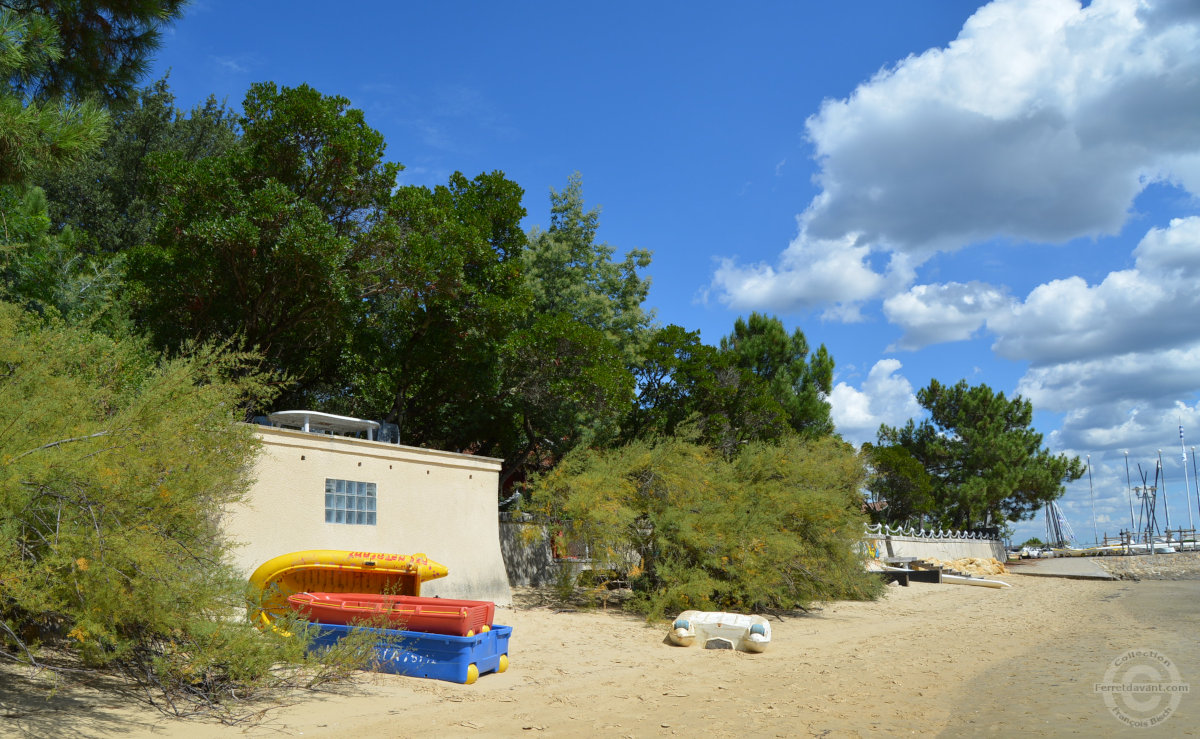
x=336 y=571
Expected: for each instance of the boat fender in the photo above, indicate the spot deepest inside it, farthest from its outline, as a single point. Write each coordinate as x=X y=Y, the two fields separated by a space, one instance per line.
x=757 y=639
x=682 y=633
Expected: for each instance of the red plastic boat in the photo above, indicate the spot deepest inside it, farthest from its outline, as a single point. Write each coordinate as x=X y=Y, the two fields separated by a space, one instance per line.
x=406 y=612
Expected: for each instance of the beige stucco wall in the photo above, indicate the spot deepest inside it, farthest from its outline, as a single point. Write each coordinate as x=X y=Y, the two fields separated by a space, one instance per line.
x=439 y=503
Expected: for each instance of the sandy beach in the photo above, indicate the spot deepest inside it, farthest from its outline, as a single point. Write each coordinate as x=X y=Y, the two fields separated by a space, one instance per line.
x=927 y=659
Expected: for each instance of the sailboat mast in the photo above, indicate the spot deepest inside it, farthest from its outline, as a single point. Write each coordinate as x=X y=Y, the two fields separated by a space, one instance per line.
x=1092 y=495
x=1187 y=491
x=1166 y=503
x=1129 y=491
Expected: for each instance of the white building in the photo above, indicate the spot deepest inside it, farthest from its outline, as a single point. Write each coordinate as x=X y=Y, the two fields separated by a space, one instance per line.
x=320 y=489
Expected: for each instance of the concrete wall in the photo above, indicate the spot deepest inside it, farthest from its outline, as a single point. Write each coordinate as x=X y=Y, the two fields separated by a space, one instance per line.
x=439 y=503
x=888 y=545
x=528 y=557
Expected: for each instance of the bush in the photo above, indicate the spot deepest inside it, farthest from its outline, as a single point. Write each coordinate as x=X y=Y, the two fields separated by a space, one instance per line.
x=776 y=527
x=115 y=466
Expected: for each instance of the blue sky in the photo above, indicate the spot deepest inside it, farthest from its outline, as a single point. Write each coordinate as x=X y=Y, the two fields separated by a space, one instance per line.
x=1004 y=193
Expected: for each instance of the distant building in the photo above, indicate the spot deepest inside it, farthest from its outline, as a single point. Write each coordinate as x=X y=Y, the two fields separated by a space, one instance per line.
x=318 y=487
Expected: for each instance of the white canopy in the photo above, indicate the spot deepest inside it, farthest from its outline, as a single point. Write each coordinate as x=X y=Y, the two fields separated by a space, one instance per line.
x=326 y=422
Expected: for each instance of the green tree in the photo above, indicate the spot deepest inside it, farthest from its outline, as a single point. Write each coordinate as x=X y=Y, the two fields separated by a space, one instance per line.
x=36 y=132
x=569 y=273
x=43 y=270
x=669 y=378
x=115 y=469
x=759 y=385
x=425 y=350
x=563 y=383
x=276 y=241
x=799 y=383
x=900 y=480
x=459 y=352
x=775 y=527
x=985 y=464
x=107 y=196
x=105 y=46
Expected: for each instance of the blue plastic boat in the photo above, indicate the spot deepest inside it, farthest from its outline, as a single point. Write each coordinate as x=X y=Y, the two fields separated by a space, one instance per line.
x=456 y=659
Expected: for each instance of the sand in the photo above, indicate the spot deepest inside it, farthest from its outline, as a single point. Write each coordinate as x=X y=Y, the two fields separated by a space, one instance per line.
x=927 y=659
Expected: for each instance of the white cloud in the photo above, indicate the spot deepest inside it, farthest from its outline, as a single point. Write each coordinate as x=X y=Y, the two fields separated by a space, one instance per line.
x=1042 y=121
x=932 y=314
x=1120 y=359
x=1148 y=308
x=885 y=397
x=237 y=66
x=835 y=274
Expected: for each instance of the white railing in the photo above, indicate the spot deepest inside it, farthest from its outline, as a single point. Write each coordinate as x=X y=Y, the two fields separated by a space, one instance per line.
x=879 y=529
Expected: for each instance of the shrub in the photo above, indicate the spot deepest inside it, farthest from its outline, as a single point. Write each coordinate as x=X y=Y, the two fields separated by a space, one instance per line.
x=775 y=527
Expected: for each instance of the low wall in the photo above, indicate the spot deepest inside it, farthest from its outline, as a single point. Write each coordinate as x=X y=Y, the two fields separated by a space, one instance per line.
x=880 y=542
x=906 y=546
x=525 y=545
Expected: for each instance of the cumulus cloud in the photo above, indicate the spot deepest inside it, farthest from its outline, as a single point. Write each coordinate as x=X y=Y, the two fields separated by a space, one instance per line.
x=932 y=314
x=885 y=397
x=836 y=274
x=1120 y=359
x=1041 y=121
x=1149 y=308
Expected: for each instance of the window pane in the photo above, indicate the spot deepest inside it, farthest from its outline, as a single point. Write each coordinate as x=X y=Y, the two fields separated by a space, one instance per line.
x=350 y=502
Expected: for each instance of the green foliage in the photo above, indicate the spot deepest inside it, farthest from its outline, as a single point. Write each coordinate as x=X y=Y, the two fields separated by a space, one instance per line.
x=979 y=460
x=39 y=133
x=104 y=46
x=760 y=385
x=425 y=347
x=569 y=273
x=105 y=480
x=1033 y=542
x=107 y=197
x=797 y=382
x=563 y=382
x=668 y=377
x=269 y=240
x=48 y=271
x=901 y=480
x=456 y=350
x=115 y=468
x=775 y=527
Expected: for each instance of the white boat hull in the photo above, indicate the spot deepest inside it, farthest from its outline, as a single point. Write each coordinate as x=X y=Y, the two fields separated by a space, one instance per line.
x=736 y=630
x=976 y=581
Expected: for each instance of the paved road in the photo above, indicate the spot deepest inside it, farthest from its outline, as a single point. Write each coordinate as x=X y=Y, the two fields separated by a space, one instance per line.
x=1075 y=568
